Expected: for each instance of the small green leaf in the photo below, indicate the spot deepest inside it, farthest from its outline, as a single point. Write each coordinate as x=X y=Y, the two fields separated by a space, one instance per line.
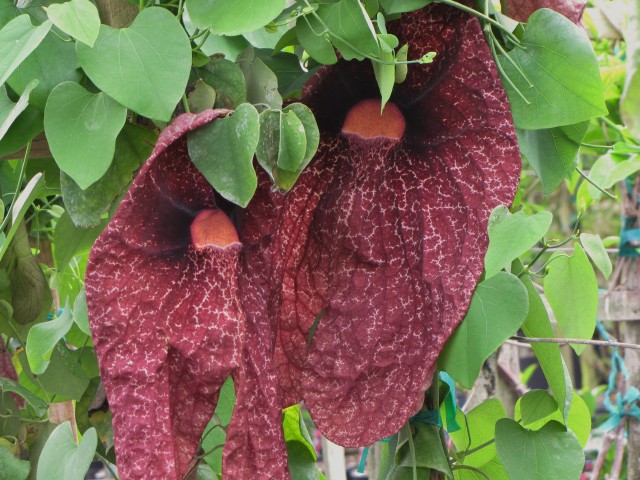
x=560 y=63
x=402 y=69
x=572 y=291
x=552 y=452
x=43 y=338
x=154 y=60
x=81 y=129
x=535 y=405
x=512 y=237
x=223 y=151
x=12 y=468
x=202 y=97
x=10 y=111
x=549 y=356
x=227 y=80
x=293 y=142
x=498 y=308
x=18 y=39
x=86 y=207
x=77 y=18
x=385 y=73
x=214 y=435
x=62 y=459
x=595 y=249
x=80 y=313
x=233 y=17
x=553 y=152
x=477 y=429
x=262 y=83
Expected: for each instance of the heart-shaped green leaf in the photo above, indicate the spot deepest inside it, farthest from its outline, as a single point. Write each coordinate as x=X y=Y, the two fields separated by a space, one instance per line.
x=595 y=249
x=511 y=236
x=78 y=18
x=62 y=459
x=223 y=151
x=82 y=128
x=144 y=67
x=552 y=450
x=18 y=39
x=572 y=291
x=233 y=17
x=498 y=308
x=43 y=338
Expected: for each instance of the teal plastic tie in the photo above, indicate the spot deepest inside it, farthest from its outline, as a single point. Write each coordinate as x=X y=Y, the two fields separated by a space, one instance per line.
x=625 y=405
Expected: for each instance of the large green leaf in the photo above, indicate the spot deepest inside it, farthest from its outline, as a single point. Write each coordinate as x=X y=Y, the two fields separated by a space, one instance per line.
x=498 y=308
x=9 y=111
x=12 y=468
x=227 y=79
x=154 y=59
x=310 y=33
x=18 y=39
x=223 y=151
x=401 y=6
x=78 y=18
x=551 y=452
x=81 y=129
x=560 y=62
x=553 y=152
x=492 y=469
x=53 y=62
x=24 y=128
x=86 y=207
x=350 y=29
x=572 y=291
x=549 y=357
x=477 y=429
x=233 y=17
x=214 y=435
x=512 y=236
x=62 y=459
x=43 y=338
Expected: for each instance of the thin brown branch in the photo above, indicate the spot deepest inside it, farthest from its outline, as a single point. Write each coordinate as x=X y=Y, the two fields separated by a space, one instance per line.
x=577 y=341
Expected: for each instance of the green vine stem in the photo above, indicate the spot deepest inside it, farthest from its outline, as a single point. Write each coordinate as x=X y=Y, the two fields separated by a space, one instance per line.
x=473 y=469
x=586 y=177
x=576 y=341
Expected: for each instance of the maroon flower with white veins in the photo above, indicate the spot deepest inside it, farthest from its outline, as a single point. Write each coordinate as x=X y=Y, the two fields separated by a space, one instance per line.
x=167 y=326
x=381 y=242
x=341 y=292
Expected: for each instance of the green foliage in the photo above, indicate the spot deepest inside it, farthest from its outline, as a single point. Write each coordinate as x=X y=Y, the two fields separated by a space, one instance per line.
x=302 y=455
x=555 y=452
x=497 y=310
x=572 y=291
x=81 y=125
x=214 y=434
x=233 y=17
x=153 y=67
x=560 y=64
x=62 y=459
x=18 y=39
x=77 y=18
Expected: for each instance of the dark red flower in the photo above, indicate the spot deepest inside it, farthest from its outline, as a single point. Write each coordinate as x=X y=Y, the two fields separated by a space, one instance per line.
x=378 y=248
x=521 y=9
